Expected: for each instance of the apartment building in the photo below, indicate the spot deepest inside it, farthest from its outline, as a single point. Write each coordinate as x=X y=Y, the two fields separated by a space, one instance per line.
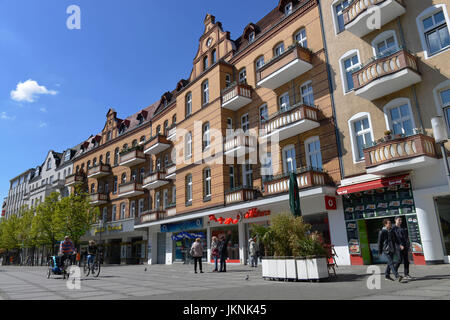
x=19 y=193
x=111 y=166
x=389 y=63
x=270 y=82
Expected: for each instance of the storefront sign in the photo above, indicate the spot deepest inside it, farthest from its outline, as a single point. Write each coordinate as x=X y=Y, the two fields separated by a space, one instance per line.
x=182 y=226
x=186 y=235
x=330 y=203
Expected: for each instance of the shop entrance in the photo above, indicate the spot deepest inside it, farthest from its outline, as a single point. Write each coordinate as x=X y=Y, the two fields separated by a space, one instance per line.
x=161 y=247
x=183 y=243
x=136 y=245
x=114 y=251
x=443 y=209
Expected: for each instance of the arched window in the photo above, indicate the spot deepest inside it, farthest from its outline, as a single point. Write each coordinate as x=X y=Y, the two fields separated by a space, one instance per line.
x=89 y=164
x=158 y=130
x=115 y=185
x=101 y=159
x=125 y=146
x=300 y=38
x=94 y=162
x=142 y=140
x=313 y=153
x=108 y=158
x=134 y=143
x=132 y=209
x=205 y=63
x=214 y=56
x=166 y=128
x=174 y=119
x=259 y=62
x=361 y=133
x=124 y=178
x=442 y=101
x=142 y=175
x=289 y=159
x=116 y=157
x=122 y=211
x=349 y=63
x=243 y=75
x=385 y=43
x=133 y=175
x=278 y=50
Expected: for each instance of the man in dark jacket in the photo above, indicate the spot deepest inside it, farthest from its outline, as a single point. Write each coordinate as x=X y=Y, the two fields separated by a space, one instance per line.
x=402 y=236
x=223 y=251
x=387 y=242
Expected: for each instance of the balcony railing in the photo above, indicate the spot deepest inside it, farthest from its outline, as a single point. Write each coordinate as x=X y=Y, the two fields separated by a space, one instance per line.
x=74 y=179
x=130 y=189
x=241 y=194
x=387 y=74
x=155 y=180
x=58 y=184
x=157 y=145
x=152 y=216
x=306 y=178
x=132 y=157
x=400 y=154
x=236 y=96
x=171 y=171
x=99 y=171
x=99 y=198
x=292 y=122
x=239 y=145
x=289 y=65
x=357 y=15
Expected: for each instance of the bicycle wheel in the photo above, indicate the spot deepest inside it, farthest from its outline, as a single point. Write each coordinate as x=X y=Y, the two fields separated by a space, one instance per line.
x=96 y=269
x=86 y=269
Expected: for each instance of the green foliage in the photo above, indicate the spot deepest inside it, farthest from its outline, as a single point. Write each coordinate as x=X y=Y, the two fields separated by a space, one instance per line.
x=289 y=236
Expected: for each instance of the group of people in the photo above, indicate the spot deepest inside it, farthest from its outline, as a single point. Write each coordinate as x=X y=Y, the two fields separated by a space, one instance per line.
x=394 y=244
x=219 y=252
x=67 y=250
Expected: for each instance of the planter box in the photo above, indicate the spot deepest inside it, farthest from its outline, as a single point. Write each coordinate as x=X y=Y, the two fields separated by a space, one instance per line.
x=291 y=269
x=302 y=271
x=317 y=268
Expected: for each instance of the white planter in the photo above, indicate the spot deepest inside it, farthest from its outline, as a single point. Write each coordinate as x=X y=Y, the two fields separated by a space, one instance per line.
x=272 y=268
x=281 y=269
x=302 y=271
x=291 y=269
x=265 y=268
x=317 y=269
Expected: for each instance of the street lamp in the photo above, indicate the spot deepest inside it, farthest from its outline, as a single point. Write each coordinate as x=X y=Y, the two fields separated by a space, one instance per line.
x=440 y=136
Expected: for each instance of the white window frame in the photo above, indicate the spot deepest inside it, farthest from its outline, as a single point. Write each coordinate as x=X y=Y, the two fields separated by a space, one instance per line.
x=189 y=188
x=303 y=41
x=208 y=183
x=259 y=62
x=132 y=209
x=383 y=37
x=419 y=21
x=394 y=104
x=243 y=75
x=206 y=136
x=334 y=15
x=347 y=55
x=353 y=140
x=439 y=103
x=140 y=206
x=288 y=9
x=165 y=199
x=290 y=147
x=205 y=92
x=245 y=125
x=114 y=213
x=310 y=154
x=251 y=37
x=246 y=173
x=282 y=49
x=266 y=165
x=307 y=84
x=228 y=80
x=157 y=200
x=188 y=145
x=188 y=104
x=283 y=105
x=123 y=209
x=229 y=124
x=263 y=107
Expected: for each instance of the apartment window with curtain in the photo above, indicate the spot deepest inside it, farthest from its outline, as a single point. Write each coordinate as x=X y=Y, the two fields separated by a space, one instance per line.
x=124 y=178
x=227 y=80
x=266 y=167
x=115 y=185
x=263 y=114
x=157 y=201
x=205 y=88
x=108 y=158
x=289 y=160
x=284 y=102
x=165 y=199
x=288 y=9
x=114 y=213
x=313 y=153
x=116 y=157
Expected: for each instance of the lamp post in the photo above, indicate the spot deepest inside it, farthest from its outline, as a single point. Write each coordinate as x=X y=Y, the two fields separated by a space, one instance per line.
x=440 y=136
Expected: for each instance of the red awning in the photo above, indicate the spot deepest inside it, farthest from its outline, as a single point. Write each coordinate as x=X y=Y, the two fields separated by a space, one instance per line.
x=376 y=184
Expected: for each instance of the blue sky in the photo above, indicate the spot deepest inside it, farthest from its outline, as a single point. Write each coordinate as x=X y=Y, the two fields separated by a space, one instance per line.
x=126 y=55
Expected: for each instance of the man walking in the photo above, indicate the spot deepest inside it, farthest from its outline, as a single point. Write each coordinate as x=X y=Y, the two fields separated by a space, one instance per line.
x=387 y=242
x=402 y=236
x=223 y=251
x=253 y=250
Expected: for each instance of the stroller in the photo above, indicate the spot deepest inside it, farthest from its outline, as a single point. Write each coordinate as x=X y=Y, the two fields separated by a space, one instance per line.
x=54 y=267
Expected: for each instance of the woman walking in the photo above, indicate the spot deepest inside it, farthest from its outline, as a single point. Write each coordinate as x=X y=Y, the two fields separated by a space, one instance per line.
x=215 y=252
x=197 y=254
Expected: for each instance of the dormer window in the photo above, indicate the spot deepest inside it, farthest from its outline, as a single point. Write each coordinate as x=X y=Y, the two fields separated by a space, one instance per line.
x=67 y=156
x=251 y=37
x=288 y=9
x=49 y=164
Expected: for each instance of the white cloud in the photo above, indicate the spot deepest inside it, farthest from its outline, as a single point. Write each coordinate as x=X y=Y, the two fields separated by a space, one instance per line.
x=28 y=90
x=43 y=124
x=4 y=116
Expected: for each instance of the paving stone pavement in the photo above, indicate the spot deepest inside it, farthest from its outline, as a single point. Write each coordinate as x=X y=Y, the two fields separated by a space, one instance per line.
x=178 y=282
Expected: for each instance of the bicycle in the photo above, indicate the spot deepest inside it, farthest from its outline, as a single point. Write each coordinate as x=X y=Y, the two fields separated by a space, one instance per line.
x=93 y=268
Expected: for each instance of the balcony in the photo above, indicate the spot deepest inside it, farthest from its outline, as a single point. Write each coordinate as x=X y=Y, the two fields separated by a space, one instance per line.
x=152 y=216
x=58 y=184
x=241 y=194
x=358 y=17
x=171 y=172
x=386 y=75
x=155 y=180
x=171 y=210
x=239 y=145
x=99 y=199
x=157 y=145
x=132 y=157
x=172 y=136
x=400 y=154
x=74 y=180
x=287 y=124
x=99 y=171
x=306 y=178
x=291 y=64
x=130 y=190
x=236 y=96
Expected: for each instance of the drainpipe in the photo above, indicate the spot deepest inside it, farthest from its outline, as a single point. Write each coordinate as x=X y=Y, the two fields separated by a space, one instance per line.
x=330 y=85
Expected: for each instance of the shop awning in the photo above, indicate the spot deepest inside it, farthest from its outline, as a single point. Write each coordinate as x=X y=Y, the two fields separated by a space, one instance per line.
x=376 y=184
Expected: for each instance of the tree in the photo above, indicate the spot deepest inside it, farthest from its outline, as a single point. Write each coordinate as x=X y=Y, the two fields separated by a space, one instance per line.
x=9 y=234
x=75 y=215
x=45 y=228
